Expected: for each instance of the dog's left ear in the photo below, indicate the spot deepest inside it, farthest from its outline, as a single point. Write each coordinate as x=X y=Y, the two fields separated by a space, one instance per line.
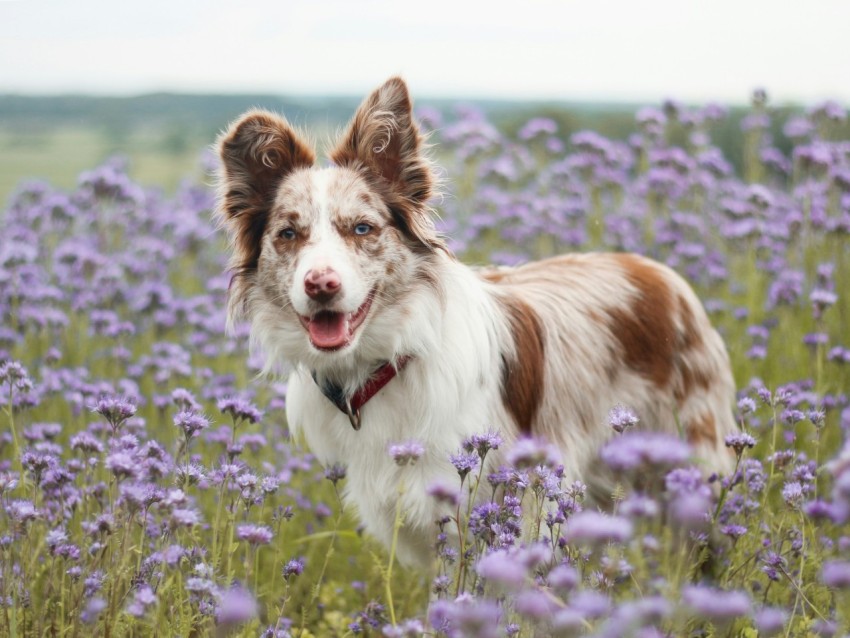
x=383 y=139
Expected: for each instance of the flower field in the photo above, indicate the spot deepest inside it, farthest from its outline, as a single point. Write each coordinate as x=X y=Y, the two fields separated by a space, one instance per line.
x=148 y=484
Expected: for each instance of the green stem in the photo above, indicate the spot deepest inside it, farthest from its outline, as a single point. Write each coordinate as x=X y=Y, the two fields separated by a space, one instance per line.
x=10 y=412
x=460 y=539
x=398 y=522
x=141 y=541
x=317 y=588
x=231 y=525
x=724 y=491
x=218 y=519
x=772 y=459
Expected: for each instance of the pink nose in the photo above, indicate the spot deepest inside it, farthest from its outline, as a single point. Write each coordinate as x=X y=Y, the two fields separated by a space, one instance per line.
x=322 y=285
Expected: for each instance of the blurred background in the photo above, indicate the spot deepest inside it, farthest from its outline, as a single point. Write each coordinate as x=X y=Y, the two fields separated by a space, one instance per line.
x=156 y=81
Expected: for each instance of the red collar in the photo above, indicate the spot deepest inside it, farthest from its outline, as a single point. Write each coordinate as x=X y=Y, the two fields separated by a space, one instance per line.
x=380 y=377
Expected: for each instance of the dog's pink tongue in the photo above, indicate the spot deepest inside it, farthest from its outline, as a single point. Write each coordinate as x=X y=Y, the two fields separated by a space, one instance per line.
x=328 y=330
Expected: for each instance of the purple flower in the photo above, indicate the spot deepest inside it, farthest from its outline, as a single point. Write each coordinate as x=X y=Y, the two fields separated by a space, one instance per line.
x=116 y=410
x=770 y=620
x=836 y=574
x=502 y=567
x=237 y=606
x=406 y=453
x=92 y=610
x=820 y=510
x=239 y=409
x=773 y=564
x=93 y=583
x=143 y=599
x=198 y=585
x=641 y=451
x=294 y=567
x=139 y=496
x=464 y=463
x=691 y=509
x=122 y=465
x=798 y=127
x=538 y=126
x=716 y=605
x=621 y=418
x=335 y=473
x=639 y=506
x=568 y=621
x=191 y=474
x=407 y=629
x=184 y=518
x=792 y=417
x=466 y=617
x=817 y=417
x=37 y=463
x=185 y=400
x=595 y=527
x=529 y=453
x=590 y=604
x=563 y=577
x=821 y=300
x=482 y=443
x=55 y=537
x=739 y=442
x=22 y=511
x=254 y=534
x=253 y=441
x=86 y=442
x=792 y=493
x=191 y=423
x=42 y=432
x=8 y=482
x=733 y=531
x=15 y=375
x=534 y=604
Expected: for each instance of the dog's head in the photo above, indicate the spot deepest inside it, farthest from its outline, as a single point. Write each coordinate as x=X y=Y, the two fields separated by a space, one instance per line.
x=322 y=257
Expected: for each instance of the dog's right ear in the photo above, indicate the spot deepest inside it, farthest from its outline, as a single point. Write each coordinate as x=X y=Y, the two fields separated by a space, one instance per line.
x=257 y=152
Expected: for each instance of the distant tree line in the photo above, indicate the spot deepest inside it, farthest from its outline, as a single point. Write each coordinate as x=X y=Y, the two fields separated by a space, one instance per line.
x=182 y=121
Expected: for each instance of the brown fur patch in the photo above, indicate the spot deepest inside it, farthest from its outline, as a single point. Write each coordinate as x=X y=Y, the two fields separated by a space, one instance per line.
x=522 y=373
x=493 y=275
x=691 y=337
x=646 y=330
x=702 y=431
x=692 y=377
x=690 y=342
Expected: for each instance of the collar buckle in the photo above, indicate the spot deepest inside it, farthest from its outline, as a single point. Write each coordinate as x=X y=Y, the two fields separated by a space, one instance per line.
x=350 y=405
x=353 y=415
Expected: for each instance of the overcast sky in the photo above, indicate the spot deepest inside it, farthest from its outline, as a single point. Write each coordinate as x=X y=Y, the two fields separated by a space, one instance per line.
x=633 y=50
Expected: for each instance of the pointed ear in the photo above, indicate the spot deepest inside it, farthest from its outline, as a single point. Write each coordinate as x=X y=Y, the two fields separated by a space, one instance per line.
x=257 y=152
x=384 y=142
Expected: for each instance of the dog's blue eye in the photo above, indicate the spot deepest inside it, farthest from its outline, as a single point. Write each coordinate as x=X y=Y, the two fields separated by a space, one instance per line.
x=288 y=233
x=362 y=229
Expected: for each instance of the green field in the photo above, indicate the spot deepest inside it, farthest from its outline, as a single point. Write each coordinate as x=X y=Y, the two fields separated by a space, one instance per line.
x=60 y=154
x=55 y=138
x=149 y=485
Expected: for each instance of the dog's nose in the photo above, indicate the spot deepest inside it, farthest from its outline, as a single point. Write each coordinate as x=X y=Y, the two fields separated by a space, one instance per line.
x=322 y=284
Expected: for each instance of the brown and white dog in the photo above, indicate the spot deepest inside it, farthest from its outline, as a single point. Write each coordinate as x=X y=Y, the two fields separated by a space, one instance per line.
x=342 y=275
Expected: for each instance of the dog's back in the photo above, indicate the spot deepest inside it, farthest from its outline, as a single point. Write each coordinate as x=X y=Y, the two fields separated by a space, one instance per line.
x=595 y=330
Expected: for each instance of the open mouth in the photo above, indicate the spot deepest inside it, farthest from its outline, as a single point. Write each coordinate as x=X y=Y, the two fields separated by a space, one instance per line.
x=329 y=330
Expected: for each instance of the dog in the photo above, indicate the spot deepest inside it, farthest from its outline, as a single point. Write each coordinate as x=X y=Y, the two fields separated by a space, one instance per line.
x=341 y=273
